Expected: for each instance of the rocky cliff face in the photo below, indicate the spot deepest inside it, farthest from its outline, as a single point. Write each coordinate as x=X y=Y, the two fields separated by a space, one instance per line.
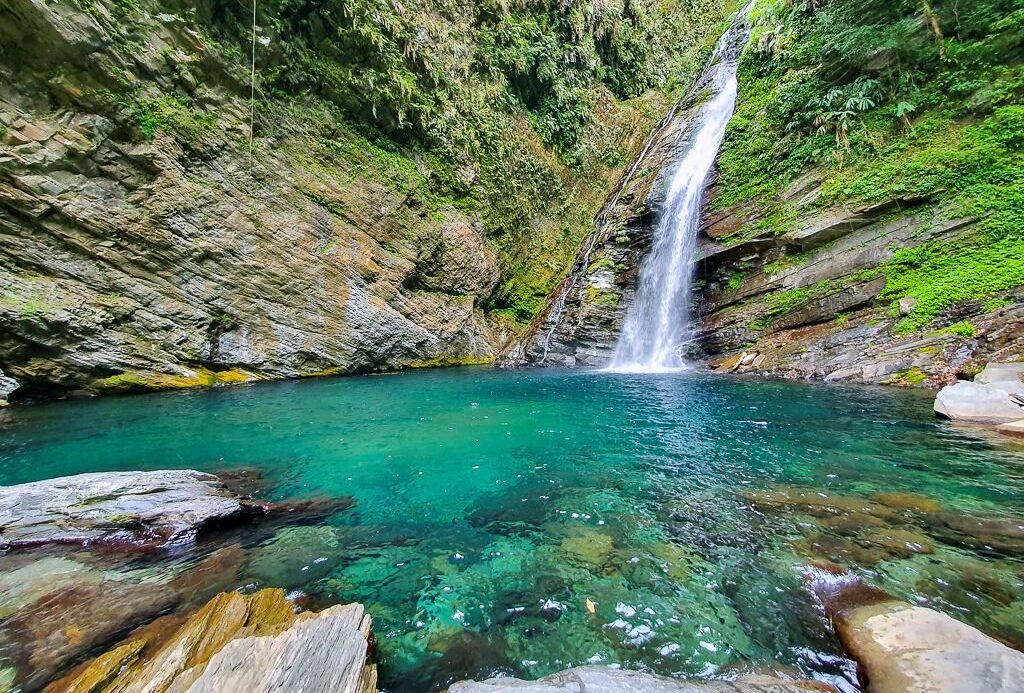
x=143 y=245
x=129 y=263
x=878 y=247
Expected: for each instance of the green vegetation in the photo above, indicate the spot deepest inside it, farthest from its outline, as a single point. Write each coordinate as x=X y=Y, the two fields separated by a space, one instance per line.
x=962 y=329
x=167 y=114
x=522 y=113
x=887 y=100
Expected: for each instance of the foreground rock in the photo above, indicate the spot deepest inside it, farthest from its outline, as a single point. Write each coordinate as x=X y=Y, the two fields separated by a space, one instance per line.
x=597 y=679
x=144 y=508
x=254 y=643
x=908 y=649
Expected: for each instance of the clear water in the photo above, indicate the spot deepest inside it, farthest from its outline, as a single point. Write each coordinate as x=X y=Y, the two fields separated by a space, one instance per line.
x=657 y=328
x=492 y=506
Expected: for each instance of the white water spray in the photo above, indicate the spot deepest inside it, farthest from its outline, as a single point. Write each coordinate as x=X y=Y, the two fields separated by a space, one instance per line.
x=658 y=325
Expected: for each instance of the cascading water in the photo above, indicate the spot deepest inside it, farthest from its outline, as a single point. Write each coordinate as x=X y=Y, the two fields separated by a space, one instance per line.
x=658 y=325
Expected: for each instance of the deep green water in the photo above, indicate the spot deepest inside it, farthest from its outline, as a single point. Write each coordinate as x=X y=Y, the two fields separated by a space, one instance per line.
x=491 y=506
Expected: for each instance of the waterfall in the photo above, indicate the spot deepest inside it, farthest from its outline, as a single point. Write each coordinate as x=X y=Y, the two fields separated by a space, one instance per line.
x=659 y=324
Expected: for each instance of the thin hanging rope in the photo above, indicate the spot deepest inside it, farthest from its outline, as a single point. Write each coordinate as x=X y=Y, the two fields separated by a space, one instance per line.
x=252 y=84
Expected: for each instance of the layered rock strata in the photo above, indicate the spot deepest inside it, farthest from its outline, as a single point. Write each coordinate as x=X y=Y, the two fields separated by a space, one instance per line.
x=131 y=264
x=257 y=643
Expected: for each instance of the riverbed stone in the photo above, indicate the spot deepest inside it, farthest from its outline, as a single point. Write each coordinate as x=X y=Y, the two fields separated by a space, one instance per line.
x=977 y=403
x=906 y=500
x=255 y=643
x=603 y=679
x=143 y=508
x=999 y=534
x=80 y=613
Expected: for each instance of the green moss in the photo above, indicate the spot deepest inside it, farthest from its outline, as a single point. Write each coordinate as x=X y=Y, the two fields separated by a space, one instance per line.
x=858 y=91
x=447 y=361
x=169 y=114
x=601 y=297
x=141 y=381
x=910 y=377
x=962 y=329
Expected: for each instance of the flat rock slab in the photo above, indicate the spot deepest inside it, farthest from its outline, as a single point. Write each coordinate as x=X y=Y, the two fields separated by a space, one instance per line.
x=146 y=508
x=598 y=679
x=977 y=402
x=911 y=649
x=1014 y=428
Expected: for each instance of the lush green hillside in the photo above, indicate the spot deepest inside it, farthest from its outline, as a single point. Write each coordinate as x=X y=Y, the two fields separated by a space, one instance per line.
x=891 y=99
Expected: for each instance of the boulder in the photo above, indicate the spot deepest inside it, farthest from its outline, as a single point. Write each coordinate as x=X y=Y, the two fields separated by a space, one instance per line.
x=977 y=402
x=1008 y=377
x=603 y=679
x=142 y=508
x=256 y=643
x=911 y=649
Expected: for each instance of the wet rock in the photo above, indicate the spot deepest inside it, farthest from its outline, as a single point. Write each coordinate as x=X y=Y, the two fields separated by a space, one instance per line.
x=900 y=543
x=904 y=500
x=977 y=403
x=598 y=679
x=841 y=550
x=814 y=503
x=143 y=508
x=910 y=648
x=903 y=648
x=214 y=573
x=1001 y=535
x=256 y=643
x=79 y=613
x=7 y=386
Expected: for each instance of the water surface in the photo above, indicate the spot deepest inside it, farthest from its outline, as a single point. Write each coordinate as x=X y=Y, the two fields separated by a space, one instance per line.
x=523 y=522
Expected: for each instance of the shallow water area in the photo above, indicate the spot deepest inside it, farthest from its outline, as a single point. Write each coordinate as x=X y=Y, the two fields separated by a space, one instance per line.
x=523 y=522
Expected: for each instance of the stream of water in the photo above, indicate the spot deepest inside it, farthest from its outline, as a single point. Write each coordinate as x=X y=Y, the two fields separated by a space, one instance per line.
x=491 y=506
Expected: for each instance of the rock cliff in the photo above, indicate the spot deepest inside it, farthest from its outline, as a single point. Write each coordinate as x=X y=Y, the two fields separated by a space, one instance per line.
x=373 y=216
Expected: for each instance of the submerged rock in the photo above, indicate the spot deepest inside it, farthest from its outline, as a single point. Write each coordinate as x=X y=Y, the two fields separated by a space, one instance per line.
x=598 y=679
x=76 y=612
x=999 y=534
x=254 y=643
x=904 y=500
x=977 y=403
x=144 y=508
